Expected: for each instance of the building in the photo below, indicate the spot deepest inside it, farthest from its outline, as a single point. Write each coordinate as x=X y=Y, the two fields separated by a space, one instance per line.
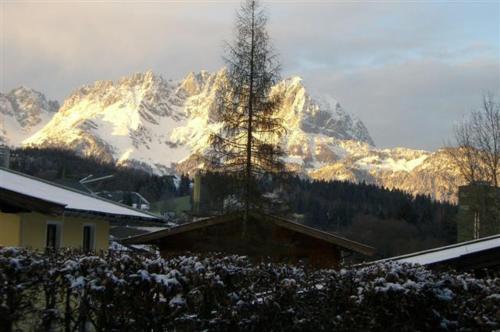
x=130 y=198
x=261 y=237
x=4 y=156
x=472 y=255
x=39 y=214
x=479 y=211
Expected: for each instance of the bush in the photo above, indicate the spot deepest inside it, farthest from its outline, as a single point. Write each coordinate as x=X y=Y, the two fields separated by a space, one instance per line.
x=66 y=290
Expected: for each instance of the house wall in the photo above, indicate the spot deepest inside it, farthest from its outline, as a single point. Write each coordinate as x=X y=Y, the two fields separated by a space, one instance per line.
x=10 y=230
x=34 y=230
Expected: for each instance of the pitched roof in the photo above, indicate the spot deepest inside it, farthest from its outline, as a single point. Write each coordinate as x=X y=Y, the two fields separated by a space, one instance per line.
x=71 y=199
x=447 y=253
x=11 y=201
x=278 y=221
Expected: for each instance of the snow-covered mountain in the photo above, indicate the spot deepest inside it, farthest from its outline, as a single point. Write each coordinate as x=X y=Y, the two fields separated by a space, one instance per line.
x=414 y=171
x=23 y=112
x=149 y=120
x=146 y=121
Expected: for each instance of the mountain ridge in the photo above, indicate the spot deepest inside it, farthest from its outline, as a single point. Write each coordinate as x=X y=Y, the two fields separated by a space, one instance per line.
x=145 y=121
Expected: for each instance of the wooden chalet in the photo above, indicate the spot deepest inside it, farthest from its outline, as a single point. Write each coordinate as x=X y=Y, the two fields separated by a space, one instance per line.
x=261 y=237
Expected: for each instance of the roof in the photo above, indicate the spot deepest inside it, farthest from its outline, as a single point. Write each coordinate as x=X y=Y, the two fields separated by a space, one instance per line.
x=71 y=199
x=278 y=221
x=13 y=202
x=447 y=253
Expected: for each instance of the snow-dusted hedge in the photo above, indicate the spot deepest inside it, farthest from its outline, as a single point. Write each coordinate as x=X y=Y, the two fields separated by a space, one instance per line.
x=67 y=290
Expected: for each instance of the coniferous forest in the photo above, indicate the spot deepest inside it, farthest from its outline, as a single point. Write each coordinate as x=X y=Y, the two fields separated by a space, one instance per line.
x=392 y=221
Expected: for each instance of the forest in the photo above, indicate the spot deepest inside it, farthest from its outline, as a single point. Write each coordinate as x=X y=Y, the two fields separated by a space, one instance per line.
x=392 y=221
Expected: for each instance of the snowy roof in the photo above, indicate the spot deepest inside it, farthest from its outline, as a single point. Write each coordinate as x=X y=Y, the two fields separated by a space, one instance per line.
x=454 y=251
x=71 y=199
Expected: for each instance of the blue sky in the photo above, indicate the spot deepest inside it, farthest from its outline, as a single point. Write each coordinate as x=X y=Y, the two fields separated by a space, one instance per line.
x=409 y=70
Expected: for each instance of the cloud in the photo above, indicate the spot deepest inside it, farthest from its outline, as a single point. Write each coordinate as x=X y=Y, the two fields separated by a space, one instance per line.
x=56 y=47
x=413 y=104
x=409 y=70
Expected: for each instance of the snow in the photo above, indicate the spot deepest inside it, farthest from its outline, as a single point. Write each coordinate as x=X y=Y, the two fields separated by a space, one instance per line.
x=78 y=283
x=32 y=108
x=72 y=199
x=178 y=300
x=150 y=228
x=450 y=252
x=388 y=162
x=166 y=280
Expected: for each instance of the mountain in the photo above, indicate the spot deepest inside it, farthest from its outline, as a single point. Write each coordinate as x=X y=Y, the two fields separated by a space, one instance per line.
x=414 y=171
x=129 y=121
x=23 y=112
x=146 y=121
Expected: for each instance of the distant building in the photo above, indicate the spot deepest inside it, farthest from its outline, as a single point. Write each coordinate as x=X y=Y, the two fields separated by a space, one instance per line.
x=39 y=214
x=479 y=211
x=4 y=156
x=261 y=237
x=130 y=198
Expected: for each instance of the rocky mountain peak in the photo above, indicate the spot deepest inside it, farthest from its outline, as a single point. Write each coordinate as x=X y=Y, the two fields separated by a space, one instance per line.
x=319 y=114
x=22 y=112
x=27 y=100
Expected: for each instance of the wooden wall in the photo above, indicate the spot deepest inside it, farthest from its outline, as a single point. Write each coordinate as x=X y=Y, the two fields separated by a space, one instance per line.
x=260 y=239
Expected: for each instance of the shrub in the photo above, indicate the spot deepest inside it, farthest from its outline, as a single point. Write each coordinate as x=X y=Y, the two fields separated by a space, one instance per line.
x=66 y=290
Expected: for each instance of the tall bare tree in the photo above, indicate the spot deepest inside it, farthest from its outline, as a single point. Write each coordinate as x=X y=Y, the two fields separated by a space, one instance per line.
x=247 y=145
x=476 y=151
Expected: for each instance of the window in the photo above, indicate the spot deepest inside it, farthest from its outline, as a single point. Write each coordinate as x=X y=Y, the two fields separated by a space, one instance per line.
x=53 y=235
x=88 y=238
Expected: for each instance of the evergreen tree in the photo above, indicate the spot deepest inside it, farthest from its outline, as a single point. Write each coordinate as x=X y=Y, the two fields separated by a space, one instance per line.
x=247 y=146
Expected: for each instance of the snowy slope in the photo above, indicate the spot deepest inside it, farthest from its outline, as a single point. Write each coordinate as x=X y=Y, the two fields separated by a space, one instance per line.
x=23 y=112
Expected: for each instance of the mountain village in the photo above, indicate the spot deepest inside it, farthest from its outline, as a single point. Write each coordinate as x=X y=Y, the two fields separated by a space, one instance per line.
x=236 y=200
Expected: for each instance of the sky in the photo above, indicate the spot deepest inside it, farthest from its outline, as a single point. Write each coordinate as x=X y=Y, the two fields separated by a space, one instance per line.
x=409 y=70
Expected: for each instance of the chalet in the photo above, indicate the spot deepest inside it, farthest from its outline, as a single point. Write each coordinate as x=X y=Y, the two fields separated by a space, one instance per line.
x=261 y=236
x=471 y=255
x=38 y=214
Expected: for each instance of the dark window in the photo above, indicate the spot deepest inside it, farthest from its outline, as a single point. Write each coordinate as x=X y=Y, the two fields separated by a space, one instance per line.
x=88 y=238
x=53 y=234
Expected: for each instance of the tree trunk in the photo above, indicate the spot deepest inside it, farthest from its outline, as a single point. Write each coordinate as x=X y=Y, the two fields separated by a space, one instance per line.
x=249 y=129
